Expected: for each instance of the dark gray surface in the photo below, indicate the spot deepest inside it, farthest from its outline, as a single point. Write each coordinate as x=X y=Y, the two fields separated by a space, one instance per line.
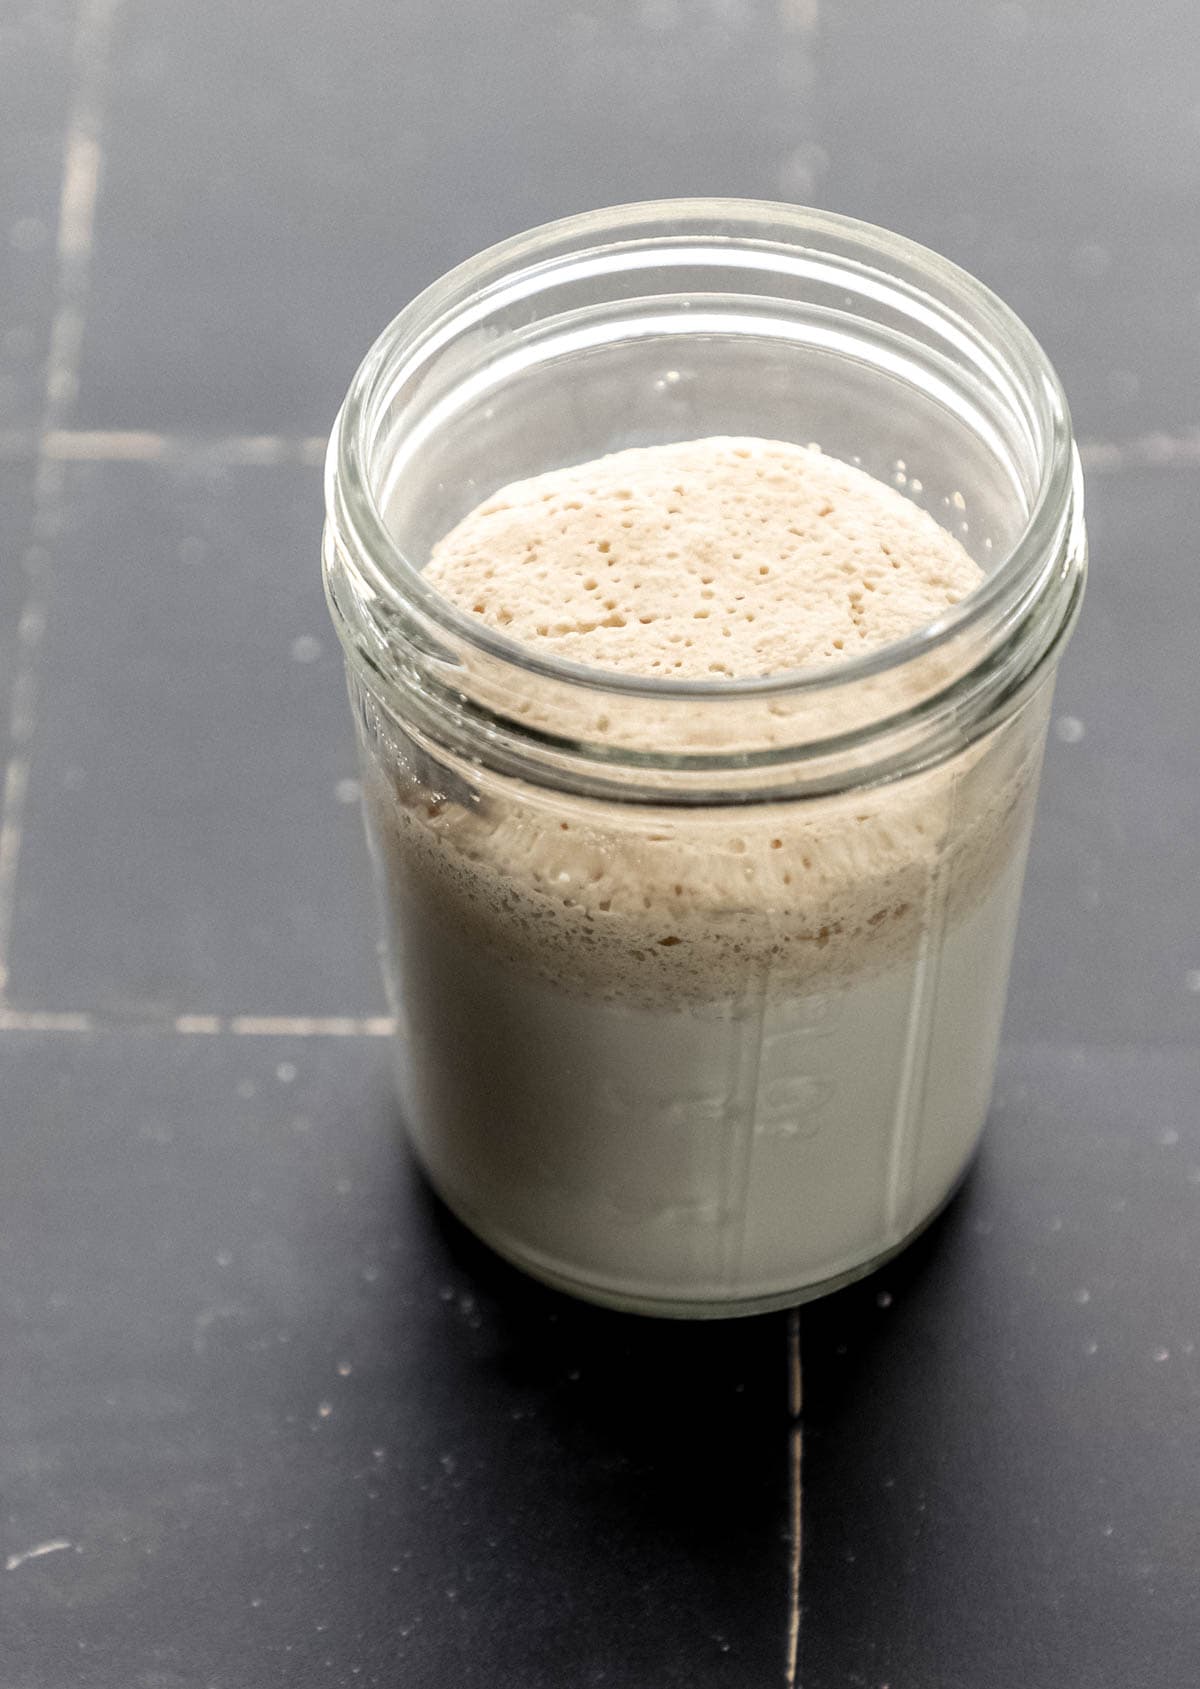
x=298 y=1430
x=1001 y=1428
x=194 y=842
x=273 y=202
x=201 y=1231
x=1110 y=924
x=1052 y=148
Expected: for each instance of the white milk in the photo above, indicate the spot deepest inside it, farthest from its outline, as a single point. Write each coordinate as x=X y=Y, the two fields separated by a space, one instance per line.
x=719 y=1153
x=706 y=1058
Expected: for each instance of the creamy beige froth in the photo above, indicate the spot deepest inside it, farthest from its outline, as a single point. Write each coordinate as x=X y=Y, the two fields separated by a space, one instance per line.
x=749 y=555
x=721 y=557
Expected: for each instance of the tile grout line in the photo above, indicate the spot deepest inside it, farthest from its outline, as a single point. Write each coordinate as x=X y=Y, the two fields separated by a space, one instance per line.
x=1156 y=450
x=124 y=445
x=795 y=1489
x=199 y=1025
x=78 y=195
x=59 y=445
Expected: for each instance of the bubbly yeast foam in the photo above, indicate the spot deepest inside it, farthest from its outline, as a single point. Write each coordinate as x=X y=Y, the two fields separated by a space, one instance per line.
x=700 y=1055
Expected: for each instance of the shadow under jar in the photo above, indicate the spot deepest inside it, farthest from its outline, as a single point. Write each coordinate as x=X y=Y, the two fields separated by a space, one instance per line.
x=699 y=984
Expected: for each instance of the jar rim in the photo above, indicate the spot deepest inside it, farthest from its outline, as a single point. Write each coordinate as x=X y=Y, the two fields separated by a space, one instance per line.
x=742 y=222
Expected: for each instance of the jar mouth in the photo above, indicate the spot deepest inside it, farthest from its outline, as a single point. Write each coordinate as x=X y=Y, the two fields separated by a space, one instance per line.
x=931 y=289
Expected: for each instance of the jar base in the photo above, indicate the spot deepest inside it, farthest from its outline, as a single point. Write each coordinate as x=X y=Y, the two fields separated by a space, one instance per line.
x=685 y=1308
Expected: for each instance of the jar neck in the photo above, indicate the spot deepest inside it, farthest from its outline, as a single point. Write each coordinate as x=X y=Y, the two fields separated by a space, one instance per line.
x=457 y=389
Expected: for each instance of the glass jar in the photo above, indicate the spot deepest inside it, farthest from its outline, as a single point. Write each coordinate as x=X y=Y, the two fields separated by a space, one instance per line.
x=698 y=984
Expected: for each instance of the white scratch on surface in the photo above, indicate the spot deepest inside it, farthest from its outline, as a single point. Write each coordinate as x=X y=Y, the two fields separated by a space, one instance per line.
x=35 y=1553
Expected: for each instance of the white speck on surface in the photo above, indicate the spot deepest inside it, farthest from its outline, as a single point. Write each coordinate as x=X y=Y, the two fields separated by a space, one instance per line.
x=801 y=173
x=1091 y=1347
x=285 y=1072
x=448 y=1464
x=1124 y=385
x=378 y=1454
x=1108 y=1530
x=305 y=649
x=256 y=1600
x=1192 y=979
x=1160 y=1354
x=224 y=1258
x=344 y=1369
x=55 y=1546
x=1091 y=260
x=27 y=234
x=446 y=1293
x=324 y=1409
x=1083 y=1296
x=958 y=501
x=1069 y=729
x=347 y=791
x=1168 y=1138
x=884 y=1299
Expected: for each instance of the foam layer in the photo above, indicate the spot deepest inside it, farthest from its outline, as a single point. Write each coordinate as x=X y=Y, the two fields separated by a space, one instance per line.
x=755 y=556
x=726 y=557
